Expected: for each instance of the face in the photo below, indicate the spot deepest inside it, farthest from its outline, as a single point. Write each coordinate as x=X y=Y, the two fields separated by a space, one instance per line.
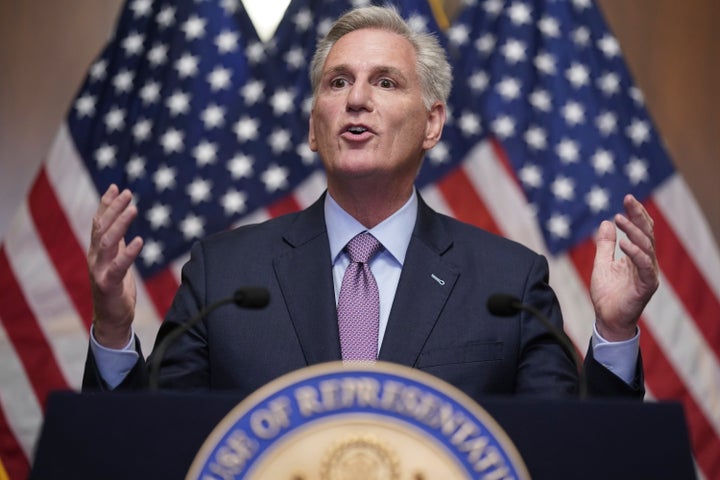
x=369 y=120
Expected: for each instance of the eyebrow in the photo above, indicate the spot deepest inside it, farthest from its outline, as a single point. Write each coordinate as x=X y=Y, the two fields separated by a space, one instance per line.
x=380 y=70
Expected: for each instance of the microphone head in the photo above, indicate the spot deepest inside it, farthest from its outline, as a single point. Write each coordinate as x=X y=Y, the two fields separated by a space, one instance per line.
x=251 y=297
x=503 y=304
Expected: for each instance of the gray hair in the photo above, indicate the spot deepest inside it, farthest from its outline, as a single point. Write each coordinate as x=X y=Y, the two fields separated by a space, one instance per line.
x=432 y=64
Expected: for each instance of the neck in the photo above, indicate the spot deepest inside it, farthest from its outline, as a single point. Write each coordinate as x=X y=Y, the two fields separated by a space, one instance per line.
x=371 y=206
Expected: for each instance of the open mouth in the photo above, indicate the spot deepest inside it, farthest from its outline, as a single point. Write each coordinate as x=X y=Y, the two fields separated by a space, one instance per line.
x=357 y=130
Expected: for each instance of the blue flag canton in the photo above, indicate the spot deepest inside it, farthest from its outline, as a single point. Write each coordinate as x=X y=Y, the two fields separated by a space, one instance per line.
x=548 y=80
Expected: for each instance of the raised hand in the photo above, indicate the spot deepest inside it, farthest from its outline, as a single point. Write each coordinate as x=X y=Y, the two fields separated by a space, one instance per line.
x=109 y=259
x=620 y=288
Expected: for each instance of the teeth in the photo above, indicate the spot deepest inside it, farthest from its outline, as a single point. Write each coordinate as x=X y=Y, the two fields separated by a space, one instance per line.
x=357 y=129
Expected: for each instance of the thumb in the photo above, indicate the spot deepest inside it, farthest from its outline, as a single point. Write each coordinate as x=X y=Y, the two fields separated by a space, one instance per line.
x=605 y=243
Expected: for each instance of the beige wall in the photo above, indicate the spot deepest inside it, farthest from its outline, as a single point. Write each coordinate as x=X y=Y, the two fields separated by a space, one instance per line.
x=673 y=49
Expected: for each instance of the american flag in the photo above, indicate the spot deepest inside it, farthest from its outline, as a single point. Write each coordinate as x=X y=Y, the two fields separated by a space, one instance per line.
x=207 y=125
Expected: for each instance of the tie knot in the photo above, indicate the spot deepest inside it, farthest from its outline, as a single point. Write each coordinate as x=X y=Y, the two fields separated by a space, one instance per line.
x=362 y=247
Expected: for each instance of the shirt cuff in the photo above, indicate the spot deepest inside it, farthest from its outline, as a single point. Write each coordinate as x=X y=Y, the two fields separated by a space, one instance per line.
x=114 y=364
x=618 y=357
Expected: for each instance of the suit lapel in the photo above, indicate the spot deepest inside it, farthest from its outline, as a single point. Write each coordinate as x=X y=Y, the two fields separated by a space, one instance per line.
x=305 y=276
x=425 y=284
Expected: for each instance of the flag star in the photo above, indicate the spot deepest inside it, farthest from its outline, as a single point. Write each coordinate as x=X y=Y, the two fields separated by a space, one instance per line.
x=636 y=170
x=439 y=154
x=609 y=46
x=164 y=178
x=514 y=51
x=549 y=26
x=141 y=8
x=199 y=190
x=150 y=92
x=295 y=58
x=105 y=156
x=609 y=83
x=485 y=44
x=603 y=162
x=157 y=55
x=303 y=20
x=172 y=141
x=282 y=101
x=568 y=151
x=597 y=199
x=135 y=168
x=240 y=166
x=194 y=28
x=133 y=44
x=152 y=253
x=187 y=66
x=606 y=122
x=230 y=6
x=493 y=7
x=504 y=126
x=509 y=88
x=178 y=103
x=219 y=78
x=252 y=92
x=166 y=17
x=213 y=116
x=280 y=140
x=142 y=129
x=458 y=34
x=275 y=178
x=563 y=188
x=205 y=153
x=574 y=113
x=519 y=14
x=233 y=202
x=307 y=106
x=306 y=154
x=478 y=81
x=323 y=27
x=417 y=23
x=578 y=75
x=638 y=131
x=115 y=119
x=540 y=99
x=581 y=4
x=85 y=106
x=246 y=129
x=545 y=63
x=123 y=81
x=558 y=226
x=158 y=216
x=636 y=95
x=531 y=176
x=581 y=36
x=255 y=52
x=227 y=41
x=192 y=226
x=536 y=138
x=469 y=124
x=98 y=70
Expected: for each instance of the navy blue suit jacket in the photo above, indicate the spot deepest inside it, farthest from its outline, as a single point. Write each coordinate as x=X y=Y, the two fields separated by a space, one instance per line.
x=442 y=328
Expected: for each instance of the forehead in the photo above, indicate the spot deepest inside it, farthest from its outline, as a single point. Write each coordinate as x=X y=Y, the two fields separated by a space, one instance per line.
x=372 y=48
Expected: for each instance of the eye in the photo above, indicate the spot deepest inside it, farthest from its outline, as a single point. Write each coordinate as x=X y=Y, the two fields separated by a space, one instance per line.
x=386 y=83
x=338 y=83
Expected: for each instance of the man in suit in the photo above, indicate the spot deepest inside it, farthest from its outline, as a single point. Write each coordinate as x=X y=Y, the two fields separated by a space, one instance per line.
x=379 y=103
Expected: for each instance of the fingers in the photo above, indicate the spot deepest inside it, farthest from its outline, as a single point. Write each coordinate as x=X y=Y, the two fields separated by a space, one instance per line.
x=605 y=242
x=637 y=226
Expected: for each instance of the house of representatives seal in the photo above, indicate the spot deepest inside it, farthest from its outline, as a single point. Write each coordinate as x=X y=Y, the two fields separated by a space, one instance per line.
x=374 y=421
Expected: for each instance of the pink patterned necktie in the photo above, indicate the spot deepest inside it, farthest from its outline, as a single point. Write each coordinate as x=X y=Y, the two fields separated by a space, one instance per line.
x=359 y=302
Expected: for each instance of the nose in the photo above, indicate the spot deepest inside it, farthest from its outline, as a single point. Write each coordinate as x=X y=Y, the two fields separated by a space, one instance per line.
x=360 y=97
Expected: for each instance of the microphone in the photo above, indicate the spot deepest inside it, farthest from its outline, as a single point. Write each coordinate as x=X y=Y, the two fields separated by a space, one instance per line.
x=245 y=297
x=506 y=305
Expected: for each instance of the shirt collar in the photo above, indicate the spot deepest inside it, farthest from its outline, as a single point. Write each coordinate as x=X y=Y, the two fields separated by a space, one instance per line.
x=394 y=232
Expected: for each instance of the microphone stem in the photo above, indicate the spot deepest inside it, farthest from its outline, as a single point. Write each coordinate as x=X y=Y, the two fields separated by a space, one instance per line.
x=177 y=332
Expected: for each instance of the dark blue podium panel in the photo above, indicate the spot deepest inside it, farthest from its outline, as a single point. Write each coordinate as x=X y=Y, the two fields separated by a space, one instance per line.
x=156 y=436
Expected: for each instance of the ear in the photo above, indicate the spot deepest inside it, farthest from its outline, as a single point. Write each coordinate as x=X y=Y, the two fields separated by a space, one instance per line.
x=312 y=141
x=435 y=123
